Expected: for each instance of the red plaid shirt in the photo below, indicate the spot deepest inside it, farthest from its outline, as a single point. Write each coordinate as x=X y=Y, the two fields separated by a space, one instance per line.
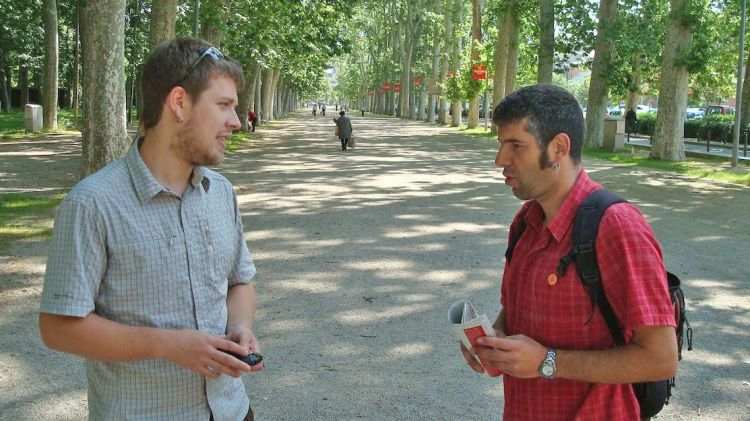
x=555 y=314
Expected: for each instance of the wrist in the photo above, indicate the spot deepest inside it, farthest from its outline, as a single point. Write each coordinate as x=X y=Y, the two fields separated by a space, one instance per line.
x=548 y=366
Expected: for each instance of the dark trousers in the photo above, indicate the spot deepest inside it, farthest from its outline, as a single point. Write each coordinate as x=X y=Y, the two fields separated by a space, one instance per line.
x=343 y=143
x=254 y=123
x=248 y=417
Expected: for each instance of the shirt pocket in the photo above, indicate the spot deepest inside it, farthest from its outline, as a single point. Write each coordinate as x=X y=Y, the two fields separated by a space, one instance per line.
x=220 y=247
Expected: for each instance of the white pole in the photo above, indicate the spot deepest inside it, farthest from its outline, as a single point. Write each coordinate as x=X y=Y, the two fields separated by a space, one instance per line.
x=738 y=96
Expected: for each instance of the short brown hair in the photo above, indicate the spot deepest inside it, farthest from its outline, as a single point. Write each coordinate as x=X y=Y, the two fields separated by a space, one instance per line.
x=170 y=63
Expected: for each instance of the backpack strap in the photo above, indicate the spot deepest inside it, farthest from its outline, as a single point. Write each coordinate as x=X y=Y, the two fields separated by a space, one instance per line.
x=583 y=252
x=513 y=241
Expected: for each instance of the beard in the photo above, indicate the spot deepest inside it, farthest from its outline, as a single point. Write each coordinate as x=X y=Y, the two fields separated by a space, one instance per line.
x=194 y=150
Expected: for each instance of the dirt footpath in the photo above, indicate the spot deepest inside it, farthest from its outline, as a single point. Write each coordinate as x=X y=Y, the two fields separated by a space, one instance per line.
x=359 y=255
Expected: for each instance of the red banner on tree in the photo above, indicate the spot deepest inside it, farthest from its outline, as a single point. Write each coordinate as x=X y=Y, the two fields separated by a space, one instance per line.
x=417 y=80
x=396 y=87
x=480 y=72
x=386 y=86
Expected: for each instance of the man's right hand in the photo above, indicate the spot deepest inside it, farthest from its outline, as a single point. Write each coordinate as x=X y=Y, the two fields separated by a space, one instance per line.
x=200 y=352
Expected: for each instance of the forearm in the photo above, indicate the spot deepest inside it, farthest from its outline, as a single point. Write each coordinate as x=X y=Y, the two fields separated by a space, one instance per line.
x=241 y=302
x=96 y=338
x=632 y=363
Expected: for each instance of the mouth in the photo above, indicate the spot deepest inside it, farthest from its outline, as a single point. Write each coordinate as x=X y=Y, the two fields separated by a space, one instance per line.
x=508 y=178
x=223 y=139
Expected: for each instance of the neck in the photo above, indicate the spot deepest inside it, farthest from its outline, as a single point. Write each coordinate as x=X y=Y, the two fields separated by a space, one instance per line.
x=553 y=200
x=169 y=169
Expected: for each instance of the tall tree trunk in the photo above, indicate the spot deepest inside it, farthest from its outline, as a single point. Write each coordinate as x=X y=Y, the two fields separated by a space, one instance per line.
x=745 y=111
x=448 y=49
x=476 y=38
x=501 y=56
x=634 y=90
x=274 y=91
x=258 y=105
x=599 y=87
x=546 y=41
x=435 y=74
x=214 y=17
x=129 y=100
x=457 y=106
x=163 y=18
x=104 y=136
x=76 y=64
x=513 y=49
x=51 y=58
x=267 y=110
x=247 y=96
x=673 y=86
x=4 y=81
x=23 y=83
x=422 y=112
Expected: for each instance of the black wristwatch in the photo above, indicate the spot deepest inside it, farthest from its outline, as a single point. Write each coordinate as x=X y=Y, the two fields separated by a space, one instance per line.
x=548 y=368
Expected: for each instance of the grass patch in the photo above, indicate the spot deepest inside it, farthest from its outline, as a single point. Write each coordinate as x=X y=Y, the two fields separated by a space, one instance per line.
x=712 y=169
x=238 y=138
x=24 y=215
x=479 y=131
x=12 y=124
x=700 y=167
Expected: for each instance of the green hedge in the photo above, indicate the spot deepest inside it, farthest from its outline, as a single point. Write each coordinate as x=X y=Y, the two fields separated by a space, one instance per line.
x=719 y=127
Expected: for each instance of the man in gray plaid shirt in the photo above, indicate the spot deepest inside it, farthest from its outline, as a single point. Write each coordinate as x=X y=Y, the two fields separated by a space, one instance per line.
x=149 y=277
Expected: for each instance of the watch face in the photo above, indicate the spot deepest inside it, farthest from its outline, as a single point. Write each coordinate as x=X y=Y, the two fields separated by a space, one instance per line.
x=548 y=370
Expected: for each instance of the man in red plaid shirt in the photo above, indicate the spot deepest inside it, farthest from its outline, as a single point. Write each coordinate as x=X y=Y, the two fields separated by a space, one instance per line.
x=557 y=355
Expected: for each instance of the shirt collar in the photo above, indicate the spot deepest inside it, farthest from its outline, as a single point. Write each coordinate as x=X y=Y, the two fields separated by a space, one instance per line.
x=565 y=216
x=144 y=181
x=563 y=221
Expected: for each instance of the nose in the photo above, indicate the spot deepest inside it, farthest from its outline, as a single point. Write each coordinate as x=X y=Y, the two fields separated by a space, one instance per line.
x=234 y=121
x=500 y=159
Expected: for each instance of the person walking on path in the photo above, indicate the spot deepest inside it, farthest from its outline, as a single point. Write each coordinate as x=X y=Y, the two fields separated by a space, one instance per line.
x=630 y=121
x=253 y=119
x=149 y=276
x=315 y=109
x=343 y=129
x=556 y=352
x=323 y=109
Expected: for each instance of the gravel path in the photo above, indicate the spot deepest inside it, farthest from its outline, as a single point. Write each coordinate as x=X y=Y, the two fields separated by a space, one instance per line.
x=359 y=255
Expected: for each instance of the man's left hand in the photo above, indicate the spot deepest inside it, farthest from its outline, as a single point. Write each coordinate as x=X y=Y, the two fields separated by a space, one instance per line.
x=244 y=336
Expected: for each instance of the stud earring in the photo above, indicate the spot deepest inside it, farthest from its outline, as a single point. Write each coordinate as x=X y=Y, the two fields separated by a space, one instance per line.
x=555 y=165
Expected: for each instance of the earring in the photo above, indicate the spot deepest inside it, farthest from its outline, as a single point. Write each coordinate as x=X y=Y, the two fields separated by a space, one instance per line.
x=555 y=165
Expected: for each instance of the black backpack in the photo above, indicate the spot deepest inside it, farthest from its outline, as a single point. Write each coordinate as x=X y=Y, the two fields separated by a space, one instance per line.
x=652 y=396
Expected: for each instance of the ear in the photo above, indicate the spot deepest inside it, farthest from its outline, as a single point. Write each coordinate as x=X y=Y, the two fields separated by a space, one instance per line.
x=559 y=147
x=176 y=103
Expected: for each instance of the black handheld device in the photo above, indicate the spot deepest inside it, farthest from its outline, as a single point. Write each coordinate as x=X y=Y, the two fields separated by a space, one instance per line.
x=250 y=359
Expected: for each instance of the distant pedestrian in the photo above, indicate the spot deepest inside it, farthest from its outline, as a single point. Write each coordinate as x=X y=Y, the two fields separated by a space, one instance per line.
x=252 y=118
x=630 y=121
x=315 y=109
x=323 y=109
x=343 y=129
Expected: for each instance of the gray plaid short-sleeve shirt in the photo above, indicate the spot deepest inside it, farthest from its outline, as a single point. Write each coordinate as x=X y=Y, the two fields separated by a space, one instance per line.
x=129 y=250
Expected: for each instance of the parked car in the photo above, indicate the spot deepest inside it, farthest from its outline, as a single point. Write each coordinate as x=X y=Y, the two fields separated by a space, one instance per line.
x=694 y=113
x=720 y=109
x=640 y=108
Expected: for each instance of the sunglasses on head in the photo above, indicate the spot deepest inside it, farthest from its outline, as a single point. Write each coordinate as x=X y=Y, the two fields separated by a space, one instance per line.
x=212 y=52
